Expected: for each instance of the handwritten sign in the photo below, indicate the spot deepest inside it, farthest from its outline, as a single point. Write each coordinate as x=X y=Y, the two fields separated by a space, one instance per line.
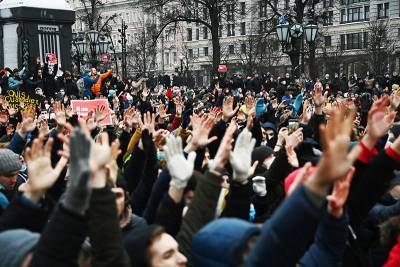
x=21 y=101
x=52 y=58
x=83 y=107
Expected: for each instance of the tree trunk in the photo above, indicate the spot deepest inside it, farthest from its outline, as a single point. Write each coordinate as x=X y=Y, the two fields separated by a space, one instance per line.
x=216 y=57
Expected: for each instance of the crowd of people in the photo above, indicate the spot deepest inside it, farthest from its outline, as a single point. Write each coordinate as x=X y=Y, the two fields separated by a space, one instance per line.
x=249 y=171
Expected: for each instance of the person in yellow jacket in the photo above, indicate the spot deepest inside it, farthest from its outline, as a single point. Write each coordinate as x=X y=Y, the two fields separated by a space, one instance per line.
x=96 y=88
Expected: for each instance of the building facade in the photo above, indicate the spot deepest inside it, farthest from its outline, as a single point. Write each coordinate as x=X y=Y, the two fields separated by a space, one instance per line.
x=343 y=39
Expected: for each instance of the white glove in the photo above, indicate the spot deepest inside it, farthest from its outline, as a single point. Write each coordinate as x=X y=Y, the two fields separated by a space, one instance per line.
x=259 y=186
x=241 y=157
x=180 y=169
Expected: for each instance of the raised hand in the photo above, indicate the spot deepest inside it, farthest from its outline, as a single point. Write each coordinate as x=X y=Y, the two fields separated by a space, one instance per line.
x=395 y=100
x=113 y=166
x=129 y=117
x=240 y=159
x=149 y=122
x=335 y=162
x=227 y=108
x=339 y=195
x=295 y=138
x=178 y=106
x=43 y=127
x=180 y=169
x=379 y=122
x=162 y=111
x=99 y=113
x=28 y=123
x=224 y=150
x=292 y=156
x=40 y=172
x=202 y=127
x=249 y=102
x=318 y=97
x=77 y=195
x=59 y=110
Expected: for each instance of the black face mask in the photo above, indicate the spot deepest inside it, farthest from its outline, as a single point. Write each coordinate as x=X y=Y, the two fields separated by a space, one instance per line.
x=272 y=142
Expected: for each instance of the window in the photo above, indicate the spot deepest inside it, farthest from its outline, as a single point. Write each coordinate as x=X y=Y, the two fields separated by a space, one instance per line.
x=328 y=18
x=243 y=28
x=263 y=26
x=230 y=12
x=353 y=41
x=242 y=8
x=231 y=29
x=354 y=14
x=328 y=41
x=262 y=8
x=197 y=34
x=174 y=57
x=383 y=10
x=190 y=53
x=220 y=31
x=205 y=50
x=398 y=33
x=343 y=16
x=205 y=13
x=167 y=58
x=243 y=48
x=189 y=34
x=328 y=3
x=205 y=33
x=365 y=37
x=287 y=4
x=231 y=49
x=366 y=13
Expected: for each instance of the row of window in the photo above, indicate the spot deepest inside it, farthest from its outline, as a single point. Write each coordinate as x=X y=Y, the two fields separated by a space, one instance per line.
x=230 y=31
x=350 y=41
x=204 y=52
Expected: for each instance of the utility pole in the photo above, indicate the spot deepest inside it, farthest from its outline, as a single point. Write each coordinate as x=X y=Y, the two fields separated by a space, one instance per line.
x=123 y=42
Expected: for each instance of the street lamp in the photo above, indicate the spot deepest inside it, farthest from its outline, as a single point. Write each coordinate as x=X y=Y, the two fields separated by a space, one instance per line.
x=310 y=31
x=292 y=39
x=98 y=45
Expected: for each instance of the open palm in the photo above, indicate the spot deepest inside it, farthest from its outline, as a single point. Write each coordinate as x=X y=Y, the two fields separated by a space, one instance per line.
x=41 y=174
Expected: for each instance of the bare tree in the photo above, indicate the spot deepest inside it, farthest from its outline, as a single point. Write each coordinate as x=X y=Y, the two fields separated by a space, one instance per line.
x=91 y=15
x=143 y=51
x=208 y=13
x=379 y=46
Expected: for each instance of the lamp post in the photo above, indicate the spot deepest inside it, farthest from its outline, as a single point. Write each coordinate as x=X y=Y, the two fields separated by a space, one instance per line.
x=292 y=39
x=98 y=45
x=181 y=75
x=123 y=42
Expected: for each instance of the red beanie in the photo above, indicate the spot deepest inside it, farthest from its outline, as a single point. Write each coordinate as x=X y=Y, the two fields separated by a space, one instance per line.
x=290 y=178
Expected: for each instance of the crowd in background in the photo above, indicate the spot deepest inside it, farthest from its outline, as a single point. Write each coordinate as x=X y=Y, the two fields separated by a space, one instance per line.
x=249 y=171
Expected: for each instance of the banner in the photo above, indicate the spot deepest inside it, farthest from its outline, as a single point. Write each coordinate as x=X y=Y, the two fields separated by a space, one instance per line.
x=21 y=101
x=83 y=107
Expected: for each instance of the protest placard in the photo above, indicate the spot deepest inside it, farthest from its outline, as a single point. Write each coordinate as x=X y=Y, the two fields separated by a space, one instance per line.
x=83 y=107
x=21 y=101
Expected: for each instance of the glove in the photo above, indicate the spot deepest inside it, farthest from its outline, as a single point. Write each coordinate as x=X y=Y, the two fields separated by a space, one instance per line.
x=180 y=169
x=241 y=157
x=77 y=195
x=259 y=186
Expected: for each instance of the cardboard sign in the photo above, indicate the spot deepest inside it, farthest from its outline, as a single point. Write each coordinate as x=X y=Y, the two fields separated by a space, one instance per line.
x=83 y=107
x=52 y=58
x=222 y=69
x=104 y=58
x=21 y=101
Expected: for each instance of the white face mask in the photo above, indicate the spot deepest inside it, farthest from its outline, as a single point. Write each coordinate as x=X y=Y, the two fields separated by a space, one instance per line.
x=268 y=162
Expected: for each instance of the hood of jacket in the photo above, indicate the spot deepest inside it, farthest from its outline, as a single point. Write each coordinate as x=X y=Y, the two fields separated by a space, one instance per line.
x=221 y=242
